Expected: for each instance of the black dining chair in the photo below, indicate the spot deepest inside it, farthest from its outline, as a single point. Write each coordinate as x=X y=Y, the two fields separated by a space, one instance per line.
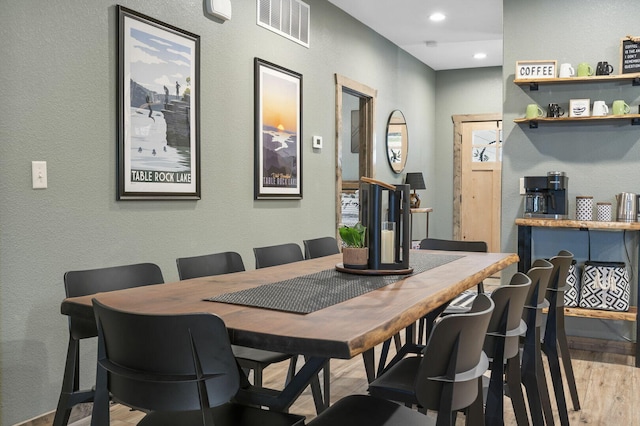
x=277 y=255
x=319 y=247
x=455 y=245
x=447 y=376
x=224 y=263
x=501 y=345
x=83 y=283
x=455 y=305
x=425 y=323
x=555 y=337
x=532 y=370
x=209 y=265
x=178 y=368
x=282 y=254
x=364 y=410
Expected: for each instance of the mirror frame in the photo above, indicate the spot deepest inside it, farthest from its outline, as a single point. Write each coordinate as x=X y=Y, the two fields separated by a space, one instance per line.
x=397 y=124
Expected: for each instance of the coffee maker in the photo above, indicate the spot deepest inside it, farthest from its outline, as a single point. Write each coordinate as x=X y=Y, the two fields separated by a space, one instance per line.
x=546 y=196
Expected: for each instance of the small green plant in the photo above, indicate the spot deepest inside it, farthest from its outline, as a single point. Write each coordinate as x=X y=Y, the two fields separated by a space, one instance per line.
x=353 y=236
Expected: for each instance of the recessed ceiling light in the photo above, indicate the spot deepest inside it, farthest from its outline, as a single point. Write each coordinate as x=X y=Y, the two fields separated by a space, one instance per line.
x=437 y=17
x=480 y=56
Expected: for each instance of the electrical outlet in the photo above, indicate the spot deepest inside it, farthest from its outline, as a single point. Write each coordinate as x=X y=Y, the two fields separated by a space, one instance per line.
x=522 y=190
x=39 y=174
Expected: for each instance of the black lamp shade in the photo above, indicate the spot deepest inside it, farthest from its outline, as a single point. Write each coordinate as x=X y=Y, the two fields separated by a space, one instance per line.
x=415 y=181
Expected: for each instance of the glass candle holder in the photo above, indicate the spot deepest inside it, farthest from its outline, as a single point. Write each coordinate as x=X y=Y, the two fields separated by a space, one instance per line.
x=388 y=242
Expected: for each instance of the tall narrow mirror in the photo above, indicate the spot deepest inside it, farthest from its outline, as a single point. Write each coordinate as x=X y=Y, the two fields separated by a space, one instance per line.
x=397 y=141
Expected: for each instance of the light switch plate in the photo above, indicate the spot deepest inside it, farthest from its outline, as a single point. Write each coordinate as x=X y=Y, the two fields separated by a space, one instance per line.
x=39 y=174
x=522 y=190
x=317 y=142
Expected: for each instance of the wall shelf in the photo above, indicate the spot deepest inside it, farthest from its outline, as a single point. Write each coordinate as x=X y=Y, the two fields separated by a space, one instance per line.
x=534 y=83
x=533 y=122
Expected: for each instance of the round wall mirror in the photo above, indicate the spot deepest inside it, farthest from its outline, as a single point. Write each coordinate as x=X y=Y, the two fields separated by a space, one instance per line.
x=397 y=141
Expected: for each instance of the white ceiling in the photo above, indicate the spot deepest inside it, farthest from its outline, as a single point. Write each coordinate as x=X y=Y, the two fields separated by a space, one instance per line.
x=470 y=27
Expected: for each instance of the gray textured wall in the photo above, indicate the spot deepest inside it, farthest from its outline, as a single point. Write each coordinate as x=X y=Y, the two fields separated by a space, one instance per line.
x=468 y=91
x=600 y=159
x=59 y=105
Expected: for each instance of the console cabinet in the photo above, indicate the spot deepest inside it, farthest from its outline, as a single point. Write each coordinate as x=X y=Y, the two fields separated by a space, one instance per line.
x=525 y=226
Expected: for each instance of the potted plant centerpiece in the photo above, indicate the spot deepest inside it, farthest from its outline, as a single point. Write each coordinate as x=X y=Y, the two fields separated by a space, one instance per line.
x=355 y=254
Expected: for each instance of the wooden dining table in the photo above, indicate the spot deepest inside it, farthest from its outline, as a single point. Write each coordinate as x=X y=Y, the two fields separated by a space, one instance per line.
x=344 y=330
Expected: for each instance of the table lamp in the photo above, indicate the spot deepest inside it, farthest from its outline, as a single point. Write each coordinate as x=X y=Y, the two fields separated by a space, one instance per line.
x=415 y=181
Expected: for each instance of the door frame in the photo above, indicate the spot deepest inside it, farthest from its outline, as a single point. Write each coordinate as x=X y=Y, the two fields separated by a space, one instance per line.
x=458 y=121
x=367 y=152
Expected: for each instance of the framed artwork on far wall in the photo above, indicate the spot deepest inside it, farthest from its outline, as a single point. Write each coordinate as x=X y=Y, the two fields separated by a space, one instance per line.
x=158 y=110
x=278 y=132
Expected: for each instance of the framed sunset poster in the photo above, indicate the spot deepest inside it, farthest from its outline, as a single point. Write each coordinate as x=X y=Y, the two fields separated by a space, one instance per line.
x=278 y=132
x=158 y=110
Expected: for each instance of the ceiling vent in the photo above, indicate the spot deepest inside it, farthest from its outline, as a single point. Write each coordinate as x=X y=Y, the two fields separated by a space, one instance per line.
x=289 y=18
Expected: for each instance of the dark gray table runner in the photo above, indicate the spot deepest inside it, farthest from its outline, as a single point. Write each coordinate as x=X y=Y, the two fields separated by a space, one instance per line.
x=322 y=289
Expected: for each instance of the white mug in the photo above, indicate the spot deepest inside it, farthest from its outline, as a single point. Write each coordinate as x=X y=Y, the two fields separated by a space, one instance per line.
x=566 y=70
x=600 y=108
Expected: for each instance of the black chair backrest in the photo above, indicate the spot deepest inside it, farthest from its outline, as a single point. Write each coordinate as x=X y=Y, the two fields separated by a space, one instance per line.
x=452 y=245
x=558 y=279
x=209 y=264
x=277 y=255
x=319 y=247
x=506 y=321
x=166 y=362
x=539 y=274
x=454 y=347
x=92 y=281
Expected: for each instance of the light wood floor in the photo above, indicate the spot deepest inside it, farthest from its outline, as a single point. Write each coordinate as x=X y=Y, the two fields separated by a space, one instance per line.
x=607 y=386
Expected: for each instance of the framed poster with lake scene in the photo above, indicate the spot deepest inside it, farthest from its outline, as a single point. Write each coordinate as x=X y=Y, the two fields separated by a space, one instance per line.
x=158 y=110
x=278 y=128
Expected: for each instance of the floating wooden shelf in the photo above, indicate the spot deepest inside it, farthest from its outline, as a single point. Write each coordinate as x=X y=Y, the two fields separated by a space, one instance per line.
x=595 y=313
x=534 y=83
x=578 y=224
x=533 y=122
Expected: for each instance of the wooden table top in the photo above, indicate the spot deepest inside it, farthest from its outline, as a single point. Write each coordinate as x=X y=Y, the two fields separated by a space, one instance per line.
x=339 y=331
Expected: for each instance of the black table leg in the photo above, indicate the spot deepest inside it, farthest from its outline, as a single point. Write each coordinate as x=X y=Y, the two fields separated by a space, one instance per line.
x=282 y=400
x=524 y=248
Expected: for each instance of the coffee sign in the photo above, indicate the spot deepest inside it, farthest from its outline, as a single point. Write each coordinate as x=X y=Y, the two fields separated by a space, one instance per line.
x=535 y=70
x=630 y=55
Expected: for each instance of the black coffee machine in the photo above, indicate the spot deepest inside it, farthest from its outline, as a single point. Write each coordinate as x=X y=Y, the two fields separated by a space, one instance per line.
x=546 y=196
